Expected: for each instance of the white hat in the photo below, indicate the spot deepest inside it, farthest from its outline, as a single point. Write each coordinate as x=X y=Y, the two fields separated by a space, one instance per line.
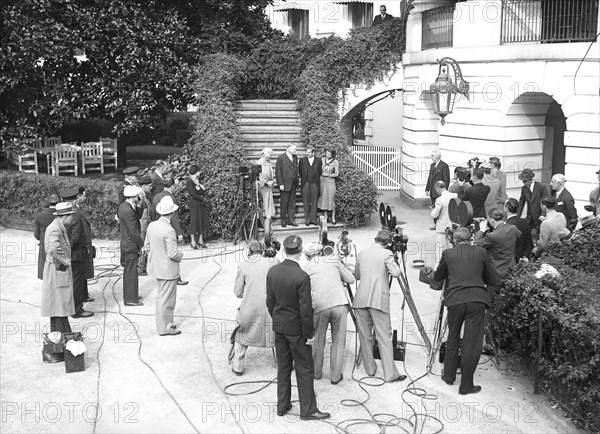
x=131 y=191
x=313 y=249
x=63 y=208
x=166 y=206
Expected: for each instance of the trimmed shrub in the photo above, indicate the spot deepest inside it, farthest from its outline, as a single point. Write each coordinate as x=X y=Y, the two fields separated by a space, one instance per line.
x=24 y=195
x=581 y=251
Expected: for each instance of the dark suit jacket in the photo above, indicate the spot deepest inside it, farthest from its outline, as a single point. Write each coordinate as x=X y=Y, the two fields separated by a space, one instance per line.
x=439 y=173
x=120 y=191
x=175 y=221
x=83 y=252
x=500 y=245
x=196 y=196
x=289 y=300
x=131 y=242
x=565 y=204
x=468 y=269
x=378 y=20
x=286 y=172
x=317 y=167
x=42 y=220
x=533 y=199
x=157 y=184
x=525 y=242
x=477 y=195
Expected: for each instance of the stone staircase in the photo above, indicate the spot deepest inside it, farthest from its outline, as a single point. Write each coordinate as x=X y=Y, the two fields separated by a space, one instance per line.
x=273 y=124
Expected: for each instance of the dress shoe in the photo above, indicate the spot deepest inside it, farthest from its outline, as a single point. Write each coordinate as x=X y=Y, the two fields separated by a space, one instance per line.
x=293 y=224
x=283 y=225
x=432 y=228
x=336 y=382
x=83 y=314
x=89 y=300
x=488 y=350
x=313 y=223
x=194 y=246
x=239 y=374
x=139 y=303
x=307 y=224
x=282 y=413
x=475 y=389
x=449 y=383
x=318 y=415
x=202 y=245
x=332 y=221
x=398 y=379
x=142 y=273
x=139 y=297
x=182 y=282
x=171 y=331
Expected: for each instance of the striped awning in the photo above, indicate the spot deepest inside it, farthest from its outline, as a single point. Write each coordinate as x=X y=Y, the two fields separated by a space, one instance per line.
x=290 y=6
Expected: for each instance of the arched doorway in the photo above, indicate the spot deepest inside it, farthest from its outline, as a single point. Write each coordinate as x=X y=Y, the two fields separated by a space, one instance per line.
x=553 y=157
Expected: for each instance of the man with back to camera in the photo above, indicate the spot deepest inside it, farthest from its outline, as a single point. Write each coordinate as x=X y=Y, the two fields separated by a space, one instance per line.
x=565 y=204
x=477 y=194
x=524 y=243
x=469 y=270
x=289 y=303
x=42 y=221
x=372 y=305
x=330 y=305
x=383 y=17
x=286 y=174
x=441 y=216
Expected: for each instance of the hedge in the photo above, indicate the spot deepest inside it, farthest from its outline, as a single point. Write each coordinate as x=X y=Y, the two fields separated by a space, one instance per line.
x=569 y=305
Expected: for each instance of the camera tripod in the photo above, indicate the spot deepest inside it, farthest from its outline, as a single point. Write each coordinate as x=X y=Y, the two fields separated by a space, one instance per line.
x=250 y=215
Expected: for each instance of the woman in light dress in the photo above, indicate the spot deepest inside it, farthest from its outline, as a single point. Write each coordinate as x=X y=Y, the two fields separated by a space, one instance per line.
x=265 y=182
x=331 y=170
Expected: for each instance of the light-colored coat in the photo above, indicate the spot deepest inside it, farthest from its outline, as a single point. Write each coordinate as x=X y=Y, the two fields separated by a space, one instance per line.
x=373 y=268
x=255 y=323
x=551 y=227
x=441 y=211
x=163 y=256
x=57 y=287
x=327 y=277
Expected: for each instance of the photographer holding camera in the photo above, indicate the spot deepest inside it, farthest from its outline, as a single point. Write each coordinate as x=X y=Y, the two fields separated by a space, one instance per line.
x=372 y=305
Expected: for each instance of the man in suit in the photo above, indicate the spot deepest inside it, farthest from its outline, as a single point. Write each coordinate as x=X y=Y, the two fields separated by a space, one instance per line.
x=286 y=174
x=130 y=179
x=477 y=194
x=438 y=171
x=441 y=216
x=80 y=239
x=500 y=244
x=131 y=243
x=372 y=305
x=553 y=226
x=565 y=203
x=290 y=305
x=310 y=175
x=524 y=242
x=383 y=17
x=88 y=251
x=158 y=175
x=330 y=305
x=532 y=193
x=42 y=220
x=594 y=206
x=163 y=264
x=145 y=212
x=469 y=269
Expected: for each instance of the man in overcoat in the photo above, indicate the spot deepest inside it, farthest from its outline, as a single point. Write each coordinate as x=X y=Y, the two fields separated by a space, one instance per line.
x=131 y=244
x=42 y=220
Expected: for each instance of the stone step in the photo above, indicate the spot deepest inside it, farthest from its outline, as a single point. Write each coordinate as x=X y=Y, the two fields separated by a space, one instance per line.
x=269 y=129
x=287 y=105
x=280 y=137
x=283 y=122
x=277 y=114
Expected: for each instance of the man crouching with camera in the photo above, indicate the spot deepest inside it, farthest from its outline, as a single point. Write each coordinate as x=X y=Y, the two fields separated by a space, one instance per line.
x=468 y=269
x=372 y=305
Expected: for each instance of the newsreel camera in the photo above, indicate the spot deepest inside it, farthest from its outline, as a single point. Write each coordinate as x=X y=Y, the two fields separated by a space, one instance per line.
x=461 y=215
x=249 y=215
x=388 y=221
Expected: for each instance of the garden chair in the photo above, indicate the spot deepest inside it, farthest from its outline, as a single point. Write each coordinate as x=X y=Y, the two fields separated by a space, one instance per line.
x=65 y=158
x=28 y=162
x=92 y=155
x=109 y=150
x=51 y=142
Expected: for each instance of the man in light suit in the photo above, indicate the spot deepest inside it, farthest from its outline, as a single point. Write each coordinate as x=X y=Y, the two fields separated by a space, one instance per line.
x=290 y=305
x=469 y=269
x=500 y=244
x=441 y=216
x=553 y=227
x=310 y=186
x=286 y=173
x=131 y=243
x=565 y=203
x=372 y=305
x=438 y=171
x=532 y=194
x=163 y=264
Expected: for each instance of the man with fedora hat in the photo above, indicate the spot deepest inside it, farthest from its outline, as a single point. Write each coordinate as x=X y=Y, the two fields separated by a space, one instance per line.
x=532 y=194
x=131 y=243
x=57 y=287
x=80 y=238
x=163 y=264
x=42 y=220
x=289 y=302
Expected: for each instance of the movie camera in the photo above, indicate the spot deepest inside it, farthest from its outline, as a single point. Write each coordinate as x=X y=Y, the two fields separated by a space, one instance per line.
x=250 y=173
x=464 y=173
x=461 y=215
x=388 y=221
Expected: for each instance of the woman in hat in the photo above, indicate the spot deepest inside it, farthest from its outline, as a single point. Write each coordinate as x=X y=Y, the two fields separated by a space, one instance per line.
x=331 y=170
x=198 y=215
x=57 y=287
x=265 y=182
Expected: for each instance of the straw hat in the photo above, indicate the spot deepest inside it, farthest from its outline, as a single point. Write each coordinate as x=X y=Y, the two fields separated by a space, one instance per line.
x=63 y=208
x=166 y=206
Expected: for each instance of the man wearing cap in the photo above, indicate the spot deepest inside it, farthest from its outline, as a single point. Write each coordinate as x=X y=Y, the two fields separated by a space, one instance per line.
x=289 y=303
x=254 y=323
x=80 y=240
x=565 y=203
x=330 y=306
x=372 y=305
x=532 y=194
x=42 y=220
x=131 y=243
x=469 y=270
x=163 y=265
x=57 y=287
x=146 y=213
x=130 y=179
x=594 y=206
